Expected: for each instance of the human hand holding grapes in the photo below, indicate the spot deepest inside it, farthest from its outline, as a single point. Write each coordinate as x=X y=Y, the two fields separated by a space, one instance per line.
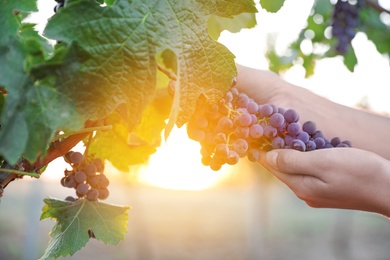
x=354 y=178
x=345 y=178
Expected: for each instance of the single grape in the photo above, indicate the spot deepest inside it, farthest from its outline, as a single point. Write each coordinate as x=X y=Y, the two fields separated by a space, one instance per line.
x=93 y=180
x=215 y=166
x=294 y=129
x=228 y=97
x=244 y=119
x=311 y=145
x=233 y=157
x=254 y=154
x=225 y=124
x=103 y=182
x=265 y=110
x=220 y=138
x=99 y=164
x=303 y=136
x=320 y=142
x=103 y=194
x=298 y=145
x=70 y=198
x=67 y=157
x=82 y=188
x=252 y=107
x=256 y=131
x=70 y=182
x=90 y=169
x=276 y=120
x=277 y=143
x=270 y=131
x=80 y=177
x=291 y=116
x=335 y=141
x=92 y=194
x=222 y=150
x=240 y=146
x=309 y=127
x=63 y=181
x=242 y=100
x=76 y=158
x=242 y=131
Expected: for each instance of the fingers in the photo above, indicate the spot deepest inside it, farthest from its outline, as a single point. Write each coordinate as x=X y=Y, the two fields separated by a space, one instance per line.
x=295 y=162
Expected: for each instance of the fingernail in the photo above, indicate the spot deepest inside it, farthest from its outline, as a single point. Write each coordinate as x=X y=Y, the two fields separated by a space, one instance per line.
x=271 y=158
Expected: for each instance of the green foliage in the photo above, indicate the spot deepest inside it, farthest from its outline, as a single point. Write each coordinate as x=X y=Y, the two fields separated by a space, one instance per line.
x=317 y=33
x=272 y=5
x=74 y=219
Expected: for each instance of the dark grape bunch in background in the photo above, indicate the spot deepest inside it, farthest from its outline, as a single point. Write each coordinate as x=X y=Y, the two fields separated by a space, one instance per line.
x=86 y=177
x=238 y=127
x=345 y=20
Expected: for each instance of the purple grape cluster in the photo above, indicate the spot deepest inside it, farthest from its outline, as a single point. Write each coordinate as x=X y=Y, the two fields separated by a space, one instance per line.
x=238 y=127
x=345 y=20
x=86 y=177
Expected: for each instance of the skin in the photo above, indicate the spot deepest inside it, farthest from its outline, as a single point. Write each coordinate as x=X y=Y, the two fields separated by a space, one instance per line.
x=355 y=178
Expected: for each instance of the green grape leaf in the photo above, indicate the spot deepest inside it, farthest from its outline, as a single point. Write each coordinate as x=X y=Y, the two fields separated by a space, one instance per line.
x=350 y=59
x=271 y=5
x=217 y=24
x=119 y=147
x=375 y=29
x=74 y=219
x=9 y=22
x=33 y=111
x=123 y=40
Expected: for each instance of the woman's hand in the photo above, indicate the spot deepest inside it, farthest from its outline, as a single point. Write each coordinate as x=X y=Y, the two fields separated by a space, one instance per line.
x=344 y=178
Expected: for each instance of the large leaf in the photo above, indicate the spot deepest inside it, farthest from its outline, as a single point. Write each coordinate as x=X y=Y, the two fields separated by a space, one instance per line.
x=123 y=40
x=74 y=219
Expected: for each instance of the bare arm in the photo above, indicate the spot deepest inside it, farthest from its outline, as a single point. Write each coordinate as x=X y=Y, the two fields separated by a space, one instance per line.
x=365 y=130
x=347 y=178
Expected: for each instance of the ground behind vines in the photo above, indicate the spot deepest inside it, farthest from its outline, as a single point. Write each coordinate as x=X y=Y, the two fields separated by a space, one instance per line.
x=256 y=220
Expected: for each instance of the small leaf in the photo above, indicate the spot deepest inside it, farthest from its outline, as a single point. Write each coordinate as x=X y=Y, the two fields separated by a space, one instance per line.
x=271 y=5
x=74 y=219
x=350 y=59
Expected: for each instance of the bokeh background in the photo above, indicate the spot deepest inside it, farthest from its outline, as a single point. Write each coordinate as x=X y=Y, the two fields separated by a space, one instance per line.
x=182 y=210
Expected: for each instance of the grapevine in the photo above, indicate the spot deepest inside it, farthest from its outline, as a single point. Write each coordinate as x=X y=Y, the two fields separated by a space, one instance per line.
x=97 y=74
x=345 y=20
x=237 y=127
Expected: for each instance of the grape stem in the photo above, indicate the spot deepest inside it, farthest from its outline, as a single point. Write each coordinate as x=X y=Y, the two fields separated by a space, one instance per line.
x=84 y=130
x=17 y=172
x=375 y=5
x=53 y=152
x=167 y=72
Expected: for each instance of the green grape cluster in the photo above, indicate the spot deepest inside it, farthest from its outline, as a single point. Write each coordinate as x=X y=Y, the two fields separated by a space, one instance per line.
x=86 y=177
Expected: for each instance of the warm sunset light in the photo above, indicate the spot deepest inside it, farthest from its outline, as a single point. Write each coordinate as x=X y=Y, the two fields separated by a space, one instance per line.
x=177 y=165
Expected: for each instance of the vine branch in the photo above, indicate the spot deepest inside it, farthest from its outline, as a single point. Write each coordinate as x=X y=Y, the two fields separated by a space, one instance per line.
x=376 y=6
x=167 y=72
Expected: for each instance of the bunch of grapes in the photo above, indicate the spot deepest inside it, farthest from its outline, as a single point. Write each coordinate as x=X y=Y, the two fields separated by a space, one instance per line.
x=86 y=177
x=237 y=127
x=345 y=20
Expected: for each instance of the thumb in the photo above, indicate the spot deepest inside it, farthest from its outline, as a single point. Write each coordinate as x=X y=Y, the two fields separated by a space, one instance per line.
x=289 y=161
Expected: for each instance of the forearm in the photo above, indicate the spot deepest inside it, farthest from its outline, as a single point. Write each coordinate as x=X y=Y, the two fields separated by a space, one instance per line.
x=365 y=130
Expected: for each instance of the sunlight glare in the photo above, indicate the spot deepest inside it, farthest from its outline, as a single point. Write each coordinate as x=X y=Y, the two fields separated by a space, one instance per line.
x=177 y=165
